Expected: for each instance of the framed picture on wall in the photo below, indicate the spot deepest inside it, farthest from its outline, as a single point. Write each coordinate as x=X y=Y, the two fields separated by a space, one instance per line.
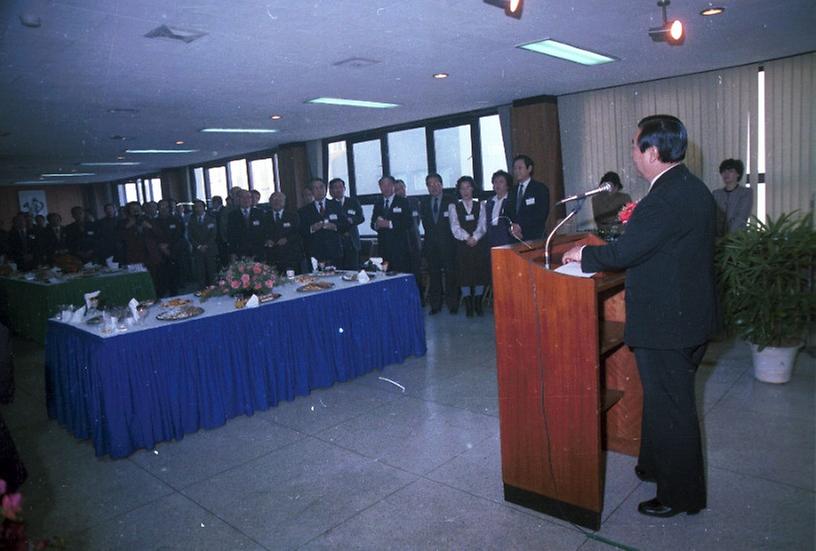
x=33 y=201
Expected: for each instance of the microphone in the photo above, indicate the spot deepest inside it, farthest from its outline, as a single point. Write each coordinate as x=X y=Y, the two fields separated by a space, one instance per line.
x=604 y=187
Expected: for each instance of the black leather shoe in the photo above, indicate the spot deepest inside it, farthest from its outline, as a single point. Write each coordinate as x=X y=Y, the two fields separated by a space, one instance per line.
x=654 y=508
x=643 y=475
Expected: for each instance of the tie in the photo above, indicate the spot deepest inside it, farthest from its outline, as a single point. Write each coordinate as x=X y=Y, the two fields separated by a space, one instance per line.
x=436 y=209
x=322 y=209
x=246 y=214
x=387 y=201
x=201 y=220
x=277 y=217
x=520 y=198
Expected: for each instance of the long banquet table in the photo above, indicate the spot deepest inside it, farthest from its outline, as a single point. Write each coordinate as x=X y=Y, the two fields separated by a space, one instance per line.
x=30 y=303
x=162 y=380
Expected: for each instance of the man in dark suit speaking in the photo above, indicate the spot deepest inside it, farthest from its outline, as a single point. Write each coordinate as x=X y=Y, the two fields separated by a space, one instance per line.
x=667 y=249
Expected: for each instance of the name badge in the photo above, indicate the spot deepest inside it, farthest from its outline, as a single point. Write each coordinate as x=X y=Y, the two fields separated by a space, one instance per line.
x=172 y=226
x=529 y=201
x=469 y=217
x=256 y=222
x=397 y=210
x=287 y=225
x=332 y=217
x=210 y=226
x=90 y=232
x=351 y=212
x=446 y=214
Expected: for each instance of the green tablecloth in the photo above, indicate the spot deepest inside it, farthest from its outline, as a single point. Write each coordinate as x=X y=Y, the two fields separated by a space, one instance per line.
x=29 y=304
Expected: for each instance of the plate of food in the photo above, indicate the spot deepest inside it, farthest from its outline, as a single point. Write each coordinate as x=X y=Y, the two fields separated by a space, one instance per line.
x=304 y=279
x=181 y=313
x=315 y=286
x=176 y=302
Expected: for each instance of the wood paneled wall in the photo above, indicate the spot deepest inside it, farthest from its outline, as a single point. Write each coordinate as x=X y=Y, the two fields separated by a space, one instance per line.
x=535 y=133
x=59 y=199
x=294 y=173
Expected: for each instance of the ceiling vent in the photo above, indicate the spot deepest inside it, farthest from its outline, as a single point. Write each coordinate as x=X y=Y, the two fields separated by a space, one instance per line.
x=356 y=62
x=174 y=33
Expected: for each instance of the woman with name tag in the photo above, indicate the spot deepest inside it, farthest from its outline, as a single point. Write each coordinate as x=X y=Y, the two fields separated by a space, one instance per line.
x=468 y=225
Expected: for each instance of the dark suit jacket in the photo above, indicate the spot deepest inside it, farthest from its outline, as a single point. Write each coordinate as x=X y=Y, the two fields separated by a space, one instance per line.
x=500 y=233
x=246 y=237
x=667 y=249
x=107 y=239
x=290 y=255
x=50 y=244
x=353 y=213
x=393 y=243
x=21 y=245
x=324 y=245
x=81 y=240
x=535 y=207
x=203 y=234
x=439 y=246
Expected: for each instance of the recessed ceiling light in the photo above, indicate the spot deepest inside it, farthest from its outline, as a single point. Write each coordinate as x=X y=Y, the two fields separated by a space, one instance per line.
x=440 y=76
x=179 y=142
x=62 y=175
x=123 y=110
x=120 y=157
x=151 y=151
x=239 y=130
x=712 y=11
x=276 y=117
x=353 y=103
x=124 y=163
x=565 y=51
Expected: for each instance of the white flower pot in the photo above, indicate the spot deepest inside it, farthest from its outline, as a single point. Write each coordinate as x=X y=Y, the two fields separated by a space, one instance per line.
x=774 y=364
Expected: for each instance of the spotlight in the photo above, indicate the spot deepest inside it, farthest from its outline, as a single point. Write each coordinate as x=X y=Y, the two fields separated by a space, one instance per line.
x=672 y=32
x=512 y=8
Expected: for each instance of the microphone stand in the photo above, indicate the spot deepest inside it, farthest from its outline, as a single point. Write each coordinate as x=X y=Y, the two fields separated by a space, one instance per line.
x=556 y=228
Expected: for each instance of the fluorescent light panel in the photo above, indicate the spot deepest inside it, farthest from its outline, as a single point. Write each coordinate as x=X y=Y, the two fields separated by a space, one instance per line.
x=120 y=163
x=40 y=182
x=565 y=51
x=240 y=130
x=151 y=151
x=61 y=175
x=353 y=103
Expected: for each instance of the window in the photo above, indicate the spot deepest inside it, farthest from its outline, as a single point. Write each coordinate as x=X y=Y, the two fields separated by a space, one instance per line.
x=368 y=167
x=492 y=145
x=263 y=177
x=454 y=153
x=238 y=174
x=132 y=192
x=338 y=161
x=218 y=181
x=153 y=189
x=200 y=187
x=408 y=158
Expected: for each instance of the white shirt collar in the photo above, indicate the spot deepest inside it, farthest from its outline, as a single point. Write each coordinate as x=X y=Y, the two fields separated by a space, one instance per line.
x=525 y=182
x=652 y=183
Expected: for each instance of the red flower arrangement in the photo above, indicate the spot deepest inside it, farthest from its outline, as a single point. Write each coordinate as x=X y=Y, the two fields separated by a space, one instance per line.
x=625 y=213
x=246 y=277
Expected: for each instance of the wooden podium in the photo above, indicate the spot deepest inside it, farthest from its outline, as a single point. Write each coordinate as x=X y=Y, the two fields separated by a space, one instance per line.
x=568 y=387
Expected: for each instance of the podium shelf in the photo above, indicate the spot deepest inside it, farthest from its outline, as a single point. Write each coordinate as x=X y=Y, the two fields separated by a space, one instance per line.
x=611 y=333
x=610 y=397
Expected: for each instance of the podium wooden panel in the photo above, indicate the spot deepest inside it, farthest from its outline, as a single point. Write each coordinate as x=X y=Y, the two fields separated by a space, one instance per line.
x=568 y=387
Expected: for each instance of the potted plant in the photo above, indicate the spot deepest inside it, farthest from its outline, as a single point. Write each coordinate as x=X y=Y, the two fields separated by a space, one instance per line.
x=765 y=274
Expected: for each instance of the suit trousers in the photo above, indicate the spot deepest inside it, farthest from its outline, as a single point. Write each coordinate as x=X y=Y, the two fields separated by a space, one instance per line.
x=670 y=444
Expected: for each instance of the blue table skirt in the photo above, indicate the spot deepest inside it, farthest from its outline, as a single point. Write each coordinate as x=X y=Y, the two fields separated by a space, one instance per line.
x=134 y=390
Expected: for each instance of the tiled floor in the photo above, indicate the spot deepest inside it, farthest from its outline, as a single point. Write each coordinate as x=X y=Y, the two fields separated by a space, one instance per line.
x=364 y=465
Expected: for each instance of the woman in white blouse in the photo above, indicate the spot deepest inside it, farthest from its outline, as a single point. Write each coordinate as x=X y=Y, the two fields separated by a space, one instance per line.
x=469 y=226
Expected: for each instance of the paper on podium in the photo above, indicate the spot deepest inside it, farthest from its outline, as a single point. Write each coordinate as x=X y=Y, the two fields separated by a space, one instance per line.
x=573 y=269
